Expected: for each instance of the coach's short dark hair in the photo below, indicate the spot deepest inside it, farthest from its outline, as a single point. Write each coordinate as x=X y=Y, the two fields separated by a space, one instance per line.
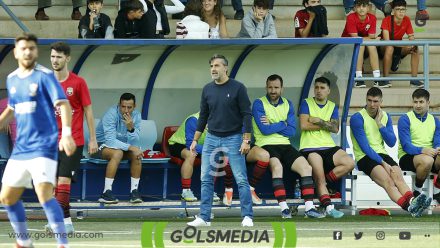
x=374 y=92
x=419 y=93
x=397 y=3
x=262 y=4
x=361 y=2
x=127 y=97
x=61 y=47
x=274 y=77
x=134 y=5
x=219 y=56
x=323 y=80
x=26 y=37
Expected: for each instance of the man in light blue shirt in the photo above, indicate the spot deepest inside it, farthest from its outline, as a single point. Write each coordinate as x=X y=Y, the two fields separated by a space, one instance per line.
x=118 y=136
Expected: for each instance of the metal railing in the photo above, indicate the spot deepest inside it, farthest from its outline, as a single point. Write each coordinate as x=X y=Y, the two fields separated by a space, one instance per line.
x=14 y=17
x=426 y=75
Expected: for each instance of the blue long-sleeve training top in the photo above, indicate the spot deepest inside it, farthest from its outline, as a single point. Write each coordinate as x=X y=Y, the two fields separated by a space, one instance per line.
x=226 y=109
x=279 y=127
x=357 y=127
x=190 y=129
x=403 y=127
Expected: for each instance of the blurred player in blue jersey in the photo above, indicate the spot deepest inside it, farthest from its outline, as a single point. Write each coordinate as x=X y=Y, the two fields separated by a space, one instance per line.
x=33 y=94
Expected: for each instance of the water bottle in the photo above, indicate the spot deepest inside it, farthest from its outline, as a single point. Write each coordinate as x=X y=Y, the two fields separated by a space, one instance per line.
x=297 y=193
x=214 y=33
x=95 y=22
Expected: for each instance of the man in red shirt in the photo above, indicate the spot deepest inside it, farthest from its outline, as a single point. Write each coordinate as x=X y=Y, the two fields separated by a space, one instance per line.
x=363 y=24
x=304 y=19
x=392 y=55
x=77 y=93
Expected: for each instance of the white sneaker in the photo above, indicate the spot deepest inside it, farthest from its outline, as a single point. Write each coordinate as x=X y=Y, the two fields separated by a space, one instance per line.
x=199 y=222
x=247 y=221
x=215 y=197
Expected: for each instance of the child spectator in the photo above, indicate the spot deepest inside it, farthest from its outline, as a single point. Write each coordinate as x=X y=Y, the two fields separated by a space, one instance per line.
x=128 y=23
x=394 y=27
x=191 y=26
x=95 y=24
x=311 y=21
x=363 y=24
x=258 y=22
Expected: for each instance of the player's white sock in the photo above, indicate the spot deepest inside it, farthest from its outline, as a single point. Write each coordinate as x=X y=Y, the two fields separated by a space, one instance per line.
x=24 y=243
x=329 y=208
x=283 y=205
x=185 y=190
x=376 y=73
x=108 y=184
x=134 y=183
x=358 y=73
x=309 y=205
x=229 y=189
x=68 y=220
x=252 y=188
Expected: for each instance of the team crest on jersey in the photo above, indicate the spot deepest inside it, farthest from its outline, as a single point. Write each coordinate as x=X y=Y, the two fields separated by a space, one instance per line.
x=33 y=89
x=367 y=27
x=13 y=90
x=69 y=91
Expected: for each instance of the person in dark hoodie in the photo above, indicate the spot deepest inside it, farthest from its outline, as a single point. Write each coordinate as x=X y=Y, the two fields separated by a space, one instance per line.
x=129 y=23
x=156 y=27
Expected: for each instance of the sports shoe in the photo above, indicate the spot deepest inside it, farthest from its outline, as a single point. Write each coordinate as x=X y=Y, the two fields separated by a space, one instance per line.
x=135 y=197
x=313 y=213
x=255 y=199
x=359 y=84
x=108 y=198
x=247 y=221
x=286 y=214
x=19 y=246
x=416 y=84
x=215 y=197
x=69 y=228
x=422 y=15
x=40 y=15
x=382 y=84
x=416 y=205
x=436 y=197
x=197 y=222
x=425 y=206
x=227 y=198
x=395 y=62
x=293 y=210
x=334 y=213
x=188 y=196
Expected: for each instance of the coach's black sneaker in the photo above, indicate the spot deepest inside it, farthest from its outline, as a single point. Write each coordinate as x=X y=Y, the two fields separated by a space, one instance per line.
x=395 y=62
x=359 y=84
x=382 y=84
x=108 y=198
x=135 y=197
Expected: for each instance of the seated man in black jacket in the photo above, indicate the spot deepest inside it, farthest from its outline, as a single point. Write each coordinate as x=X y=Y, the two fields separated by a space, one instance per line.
x=128 y=23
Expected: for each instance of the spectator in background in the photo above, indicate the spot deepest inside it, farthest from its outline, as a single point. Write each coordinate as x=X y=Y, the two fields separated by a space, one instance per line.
x=156 y=19
x=177 y=8
x=213 y=15
x=118 y=136
x=422 y=13
x=258 y=22
x=191 y=26
x=40 y=15
x=311 y=21
x=363 y=24
x=11 y=128
x=382 y=5
x=394 y=27
x=95 y=24
x=128 y=23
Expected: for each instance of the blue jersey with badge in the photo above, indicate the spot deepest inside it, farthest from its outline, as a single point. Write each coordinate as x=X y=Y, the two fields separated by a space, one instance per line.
x=33 y=99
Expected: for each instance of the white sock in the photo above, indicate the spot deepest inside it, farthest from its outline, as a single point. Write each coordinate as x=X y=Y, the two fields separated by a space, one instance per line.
x=229 y=189
x=252 y=188
x=134 y=183
x=68 y=220
x=418 y=189
x=376 y=73
x=329 y=208
x=283 y=205
x=358 y=74
x=309 y=205
x=185 y=190
x=108 y=184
